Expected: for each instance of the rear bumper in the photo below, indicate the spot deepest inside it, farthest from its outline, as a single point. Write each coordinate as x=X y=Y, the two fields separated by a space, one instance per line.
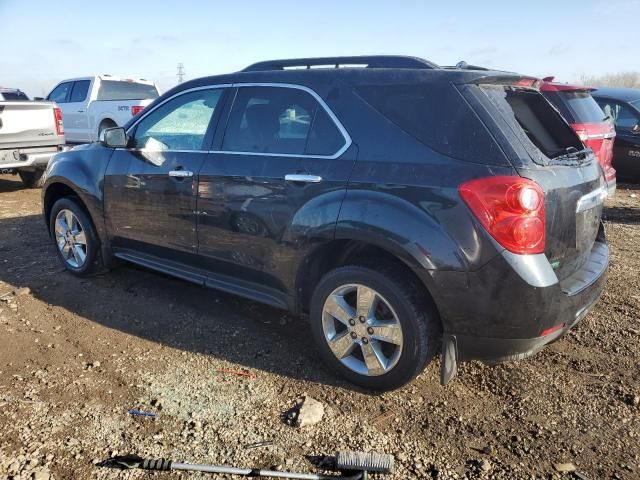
x=496 y=315
x=29 y=159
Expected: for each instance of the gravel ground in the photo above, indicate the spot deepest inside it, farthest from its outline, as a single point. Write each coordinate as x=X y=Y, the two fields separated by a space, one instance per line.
x=219 y=372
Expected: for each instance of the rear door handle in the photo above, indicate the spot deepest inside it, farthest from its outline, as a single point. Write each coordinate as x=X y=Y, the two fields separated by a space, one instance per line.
x=295 y=177
x=180 y=173
x=80 y=111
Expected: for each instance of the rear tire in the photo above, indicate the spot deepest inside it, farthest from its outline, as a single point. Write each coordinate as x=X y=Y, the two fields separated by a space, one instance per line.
x=33 y=179
x=399 y=305
x=75 y=237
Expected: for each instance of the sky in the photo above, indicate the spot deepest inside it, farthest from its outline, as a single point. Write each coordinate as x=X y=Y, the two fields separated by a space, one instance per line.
x=44 y=42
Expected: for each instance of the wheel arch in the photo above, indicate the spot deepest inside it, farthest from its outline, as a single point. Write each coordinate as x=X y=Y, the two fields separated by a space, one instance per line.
x=343 y=252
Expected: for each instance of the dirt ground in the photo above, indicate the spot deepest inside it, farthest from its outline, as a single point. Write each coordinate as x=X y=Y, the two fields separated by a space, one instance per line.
x=76 y=355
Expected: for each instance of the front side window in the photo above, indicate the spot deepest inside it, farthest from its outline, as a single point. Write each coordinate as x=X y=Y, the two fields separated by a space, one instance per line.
x=59 y=94
x=279 y=120
x=623 y=116
x=179 y=124
x=80 y=90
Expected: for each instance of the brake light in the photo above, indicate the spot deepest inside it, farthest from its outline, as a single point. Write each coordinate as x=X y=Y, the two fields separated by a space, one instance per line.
x=57 y=115
x=136 y=109
x=511 y=209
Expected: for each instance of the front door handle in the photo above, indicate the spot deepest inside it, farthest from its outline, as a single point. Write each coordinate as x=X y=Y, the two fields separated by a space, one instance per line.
x=180 y=173
x=295 y=177
x=80 y=111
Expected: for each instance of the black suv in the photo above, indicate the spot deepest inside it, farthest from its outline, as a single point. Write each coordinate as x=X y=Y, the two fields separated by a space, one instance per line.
x=408 y=209
x=622 y=106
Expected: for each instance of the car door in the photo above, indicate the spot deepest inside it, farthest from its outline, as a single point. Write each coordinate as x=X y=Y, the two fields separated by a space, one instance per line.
x=150 y=187
x=75 y=118
x=281 y=151
x=626 y=150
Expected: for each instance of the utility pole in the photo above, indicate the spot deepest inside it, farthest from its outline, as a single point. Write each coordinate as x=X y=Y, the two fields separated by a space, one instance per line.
x=180 y=73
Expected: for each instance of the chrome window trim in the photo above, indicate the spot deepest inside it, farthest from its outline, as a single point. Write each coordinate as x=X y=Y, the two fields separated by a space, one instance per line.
x=318 y=98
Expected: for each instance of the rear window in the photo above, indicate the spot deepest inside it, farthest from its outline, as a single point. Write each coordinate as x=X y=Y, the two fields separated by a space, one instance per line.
x=580 y=106
x=14 y=96
x=122 y=90
x=528 y=112
x=438 y=116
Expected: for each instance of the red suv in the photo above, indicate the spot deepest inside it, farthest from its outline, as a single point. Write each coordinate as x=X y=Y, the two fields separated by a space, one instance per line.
x=578 y=107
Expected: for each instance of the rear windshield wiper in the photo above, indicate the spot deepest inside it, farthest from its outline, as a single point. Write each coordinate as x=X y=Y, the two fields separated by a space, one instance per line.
x=570 y=153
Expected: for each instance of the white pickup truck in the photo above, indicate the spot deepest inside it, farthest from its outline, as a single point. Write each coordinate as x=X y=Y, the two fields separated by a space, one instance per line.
x=31 y=133
x=91 y=104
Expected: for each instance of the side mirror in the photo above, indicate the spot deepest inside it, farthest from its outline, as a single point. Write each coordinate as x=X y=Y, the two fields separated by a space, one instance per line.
x=636 y=129
x=114 y=137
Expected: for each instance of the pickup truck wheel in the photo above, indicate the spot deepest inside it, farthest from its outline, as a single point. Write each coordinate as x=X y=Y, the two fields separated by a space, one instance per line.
x=374 y=326
x=75 y=237
x=32 y=179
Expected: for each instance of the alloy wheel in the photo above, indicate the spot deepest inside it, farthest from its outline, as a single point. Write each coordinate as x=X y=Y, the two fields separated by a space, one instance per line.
x=362 y=329
x=71 y=239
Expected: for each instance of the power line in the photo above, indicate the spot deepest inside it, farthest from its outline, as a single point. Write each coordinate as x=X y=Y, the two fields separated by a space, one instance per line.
x=180 y=73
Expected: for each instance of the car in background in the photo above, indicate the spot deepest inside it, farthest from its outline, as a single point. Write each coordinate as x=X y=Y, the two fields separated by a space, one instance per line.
x=31 y=133
x=402 y=205
x=622 y=105
x=581 y=111
x=13 y=95
x=92 y=104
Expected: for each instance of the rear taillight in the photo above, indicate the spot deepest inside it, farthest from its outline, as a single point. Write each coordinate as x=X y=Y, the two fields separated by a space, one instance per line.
x=136 y=109
x=511 y=209
x=57 y=114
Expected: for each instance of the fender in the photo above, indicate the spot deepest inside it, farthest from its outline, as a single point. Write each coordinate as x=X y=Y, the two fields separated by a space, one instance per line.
x=412 y=233
x=82 y=170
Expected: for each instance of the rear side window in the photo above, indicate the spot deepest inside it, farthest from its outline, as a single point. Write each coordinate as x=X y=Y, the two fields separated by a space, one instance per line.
x=438 y=116
x=280 y=120
x=122 y=90
x=527 y=111
x=59 y=94
x=80 y=90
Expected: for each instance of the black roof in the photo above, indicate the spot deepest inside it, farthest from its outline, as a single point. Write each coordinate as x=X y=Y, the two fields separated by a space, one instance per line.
x=623 y=94
x=380 y=69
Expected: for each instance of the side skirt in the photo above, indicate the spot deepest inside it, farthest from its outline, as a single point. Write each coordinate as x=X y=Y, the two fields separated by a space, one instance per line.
x=213 y=280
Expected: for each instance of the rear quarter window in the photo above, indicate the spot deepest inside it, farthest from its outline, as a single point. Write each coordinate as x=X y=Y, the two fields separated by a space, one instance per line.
x=438 y=116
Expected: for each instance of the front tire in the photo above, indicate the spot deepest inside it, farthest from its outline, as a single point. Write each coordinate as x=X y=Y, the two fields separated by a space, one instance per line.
x=75 y=237
x=374 y=327
x=33 y=179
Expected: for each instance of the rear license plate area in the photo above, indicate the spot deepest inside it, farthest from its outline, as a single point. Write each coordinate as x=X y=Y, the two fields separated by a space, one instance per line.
x=9 y=156
x=587 y=226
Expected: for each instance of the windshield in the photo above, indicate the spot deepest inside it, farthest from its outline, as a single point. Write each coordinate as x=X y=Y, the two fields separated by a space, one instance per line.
x=123 y=90
x=583 y=107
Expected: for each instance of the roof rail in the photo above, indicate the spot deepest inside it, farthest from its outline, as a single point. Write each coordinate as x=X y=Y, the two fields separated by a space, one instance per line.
x=370 y=61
